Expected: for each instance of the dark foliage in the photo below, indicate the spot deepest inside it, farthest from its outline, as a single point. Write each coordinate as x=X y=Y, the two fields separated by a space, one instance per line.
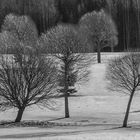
x=47 y=13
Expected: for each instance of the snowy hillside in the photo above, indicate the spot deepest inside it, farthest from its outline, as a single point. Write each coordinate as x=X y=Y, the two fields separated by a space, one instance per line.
x=97 y=110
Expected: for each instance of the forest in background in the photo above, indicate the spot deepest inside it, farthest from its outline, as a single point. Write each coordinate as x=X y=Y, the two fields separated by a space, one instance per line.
x=48 y=13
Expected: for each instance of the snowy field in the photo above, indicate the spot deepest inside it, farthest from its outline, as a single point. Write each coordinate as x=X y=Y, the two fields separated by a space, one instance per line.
x=95 y=115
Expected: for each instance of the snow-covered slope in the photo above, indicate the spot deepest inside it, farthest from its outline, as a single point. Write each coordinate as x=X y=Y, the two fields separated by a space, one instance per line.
x=97 y=106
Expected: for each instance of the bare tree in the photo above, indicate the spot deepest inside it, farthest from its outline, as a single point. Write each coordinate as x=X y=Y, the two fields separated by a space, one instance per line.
x=27 y=77
x=123 y=74
x=100 y=30
x=65 y=45
x=25 y=80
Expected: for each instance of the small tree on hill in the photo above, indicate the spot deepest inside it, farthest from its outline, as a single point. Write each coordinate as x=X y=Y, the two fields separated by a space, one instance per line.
x=65 y=45
x=99 y=30
x=123 y=74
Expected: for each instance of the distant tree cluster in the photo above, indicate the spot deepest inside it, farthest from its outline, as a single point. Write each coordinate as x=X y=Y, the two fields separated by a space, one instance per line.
x=126 y=14
x=48 y=13
x=43 y=12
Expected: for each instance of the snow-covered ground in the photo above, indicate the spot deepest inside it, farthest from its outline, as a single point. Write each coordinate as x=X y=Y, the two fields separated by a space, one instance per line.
x=71 y=133
x=96 y=115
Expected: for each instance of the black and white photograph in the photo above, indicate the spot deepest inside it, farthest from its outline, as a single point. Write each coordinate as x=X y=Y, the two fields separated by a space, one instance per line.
x=69 y=69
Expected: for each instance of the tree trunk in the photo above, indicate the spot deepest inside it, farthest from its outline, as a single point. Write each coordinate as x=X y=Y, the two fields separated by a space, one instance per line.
x=127 y=110
x=66 y=91
x=99 y=55
x=19 y=115
x=66 y=106
x=112 y=49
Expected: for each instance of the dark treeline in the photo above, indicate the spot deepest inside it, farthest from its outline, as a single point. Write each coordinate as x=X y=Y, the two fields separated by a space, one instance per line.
x=48 y=13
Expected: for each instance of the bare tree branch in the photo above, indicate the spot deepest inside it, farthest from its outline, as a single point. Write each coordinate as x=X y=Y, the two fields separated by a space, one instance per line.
x=123 y=74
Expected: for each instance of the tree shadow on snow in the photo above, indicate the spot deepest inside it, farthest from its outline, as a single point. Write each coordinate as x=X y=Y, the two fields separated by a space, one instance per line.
x=55 y=119
x=66 y=132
